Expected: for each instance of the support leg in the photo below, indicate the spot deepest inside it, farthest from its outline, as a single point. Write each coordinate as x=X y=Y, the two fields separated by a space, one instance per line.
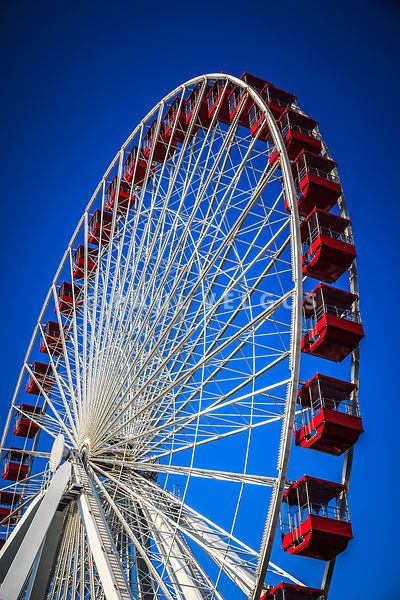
x=42 y=570
x=24 y=559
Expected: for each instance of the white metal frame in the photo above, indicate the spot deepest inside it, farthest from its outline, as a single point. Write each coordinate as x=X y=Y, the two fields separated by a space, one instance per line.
x=86 y=413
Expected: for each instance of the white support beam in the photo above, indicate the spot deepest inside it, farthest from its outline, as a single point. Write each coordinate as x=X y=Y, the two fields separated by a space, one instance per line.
x=25 y=557
x=42 y=570
x=14 y=541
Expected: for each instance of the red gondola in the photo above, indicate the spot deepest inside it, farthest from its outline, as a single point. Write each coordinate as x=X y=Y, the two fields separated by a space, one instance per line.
x=299 y=133
x=125 y=200
x=330 y=421
x=69 y=296
x=317 y=185
x=100 y=227
x=51 y=341
x=290 y=591
x=42 y=377
x=175 y=117
x=278 y=101
x=156 y=144
x=328 y=248
x=79 y=261
x=202 y=119
x=16 y=465
x=8 y=503
x=315 y=520
x=135 y=167
x=335 y=329
x=24 y=426
x=217 y=100
x=236 y=95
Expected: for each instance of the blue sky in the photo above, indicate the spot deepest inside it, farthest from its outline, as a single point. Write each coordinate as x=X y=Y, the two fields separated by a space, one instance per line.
x=76 y=78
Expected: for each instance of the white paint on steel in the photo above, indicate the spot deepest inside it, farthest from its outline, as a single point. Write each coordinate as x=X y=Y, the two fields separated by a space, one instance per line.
x=25 y=557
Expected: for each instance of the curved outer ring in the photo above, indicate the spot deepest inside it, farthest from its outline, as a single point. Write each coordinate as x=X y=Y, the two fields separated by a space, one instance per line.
x=296 y=320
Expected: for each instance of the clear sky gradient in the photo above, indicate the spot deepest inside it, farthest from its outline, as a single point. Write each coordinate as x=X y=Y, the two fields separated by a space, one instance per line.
x=75 y=79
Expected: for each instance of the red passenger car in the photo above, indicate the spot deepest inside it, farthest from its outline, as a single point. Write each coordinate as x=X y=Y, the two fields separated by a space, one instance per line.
x=333 y=321
x=328 y=248
x=291 y=591
x=51 y=341
x=217 y=100
x=174 y=122
x=24 y=426
x=8 y=504
x=79 y=262
x=42 y=378
x=124 y=199
x=135 y=167
x=68 y=297
x=299 y=133
x=156 y=145
x=330 y=421
x=316 y=183
x=100 y=227
x=315 y=520
x=237 y=94
x=193 y=110
x=277 y=100
x=16 y=465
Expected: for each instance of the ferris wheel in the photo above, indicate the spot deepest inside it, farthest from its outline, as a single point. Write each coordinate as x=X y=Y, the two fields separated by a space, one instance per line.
x=202 y=321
